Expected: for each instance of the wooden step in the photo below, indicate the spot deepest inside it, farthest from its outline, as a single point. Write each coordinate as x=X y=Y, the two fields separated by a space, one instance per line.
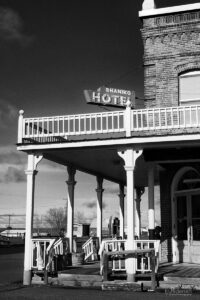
x=121 y=285
x=75 y=280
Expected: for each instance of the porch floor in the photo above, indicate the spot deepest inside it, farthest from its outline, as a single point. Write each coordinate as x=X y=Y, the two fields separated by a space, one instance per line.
x=165 y=270
x=170 y=276
x=182 y=270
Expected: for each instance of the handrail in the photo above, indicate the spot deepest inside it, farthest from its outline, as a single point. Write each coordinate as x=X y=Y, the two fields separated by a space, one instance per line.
x=59 y=128
x=89 y=248
x=131 y=253
x=142 y=264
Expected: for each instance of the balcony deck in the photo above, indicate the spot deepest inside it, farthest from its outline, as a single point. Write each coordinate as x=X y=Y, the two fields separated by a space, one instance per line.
x=152 y=122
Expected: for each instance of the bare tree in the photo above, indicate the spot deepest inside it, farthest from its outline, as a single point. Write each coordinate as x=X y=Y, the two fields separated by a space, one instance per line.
x=80 y=217
x=57 y=219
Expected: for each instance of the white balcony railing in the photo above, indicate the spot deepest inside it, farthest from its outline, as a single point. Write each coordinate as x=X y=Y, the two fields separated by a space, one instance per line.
x=59 y=128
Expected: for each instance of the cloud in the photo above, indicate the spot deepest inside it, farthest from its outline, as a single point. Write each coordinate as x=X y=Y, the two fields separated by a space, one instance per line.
x=8 y=155
x=14 y=175
x=112 y=190
x=93 y=205
x=8 y=114
x=11 y=27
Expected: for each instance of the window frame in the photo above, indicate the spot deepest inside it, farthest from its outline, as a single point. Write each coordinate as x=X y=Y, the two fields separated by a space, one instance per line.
x=185 y=102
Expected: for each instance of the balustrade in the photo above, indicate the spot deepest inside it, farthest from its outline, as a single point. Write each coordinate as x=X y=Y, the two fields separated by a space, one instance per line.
x=142 y=262
x=59 y=128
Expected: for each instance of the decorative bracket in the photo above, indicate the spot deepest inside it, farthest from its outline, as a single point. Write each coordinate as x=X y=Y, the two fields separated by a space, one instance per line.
x=130 y=156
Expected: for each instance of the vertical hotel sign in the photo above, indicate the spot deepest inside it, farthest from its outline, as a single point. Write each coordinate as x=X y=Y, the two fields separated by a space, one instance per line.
x=110 y=97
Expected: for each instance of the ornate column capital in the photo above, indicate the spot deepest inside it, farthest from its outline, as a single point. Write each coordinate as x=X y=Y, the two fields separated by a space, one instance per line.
x=71 y=174
x=129 y=156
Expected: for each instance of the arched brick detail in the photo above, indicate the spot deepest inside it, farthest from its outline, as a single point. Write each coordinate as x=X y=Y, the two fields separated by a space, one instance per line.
x=191 y=66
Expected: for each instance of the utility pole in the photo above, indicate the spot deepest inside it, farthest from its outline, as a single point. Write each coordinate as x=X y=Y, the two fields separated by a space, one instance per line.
x=11 y=216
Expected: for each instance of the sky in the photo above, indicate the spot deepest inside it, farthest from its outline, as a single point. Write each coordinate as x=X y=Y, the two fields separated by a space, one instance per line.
x=50 y=51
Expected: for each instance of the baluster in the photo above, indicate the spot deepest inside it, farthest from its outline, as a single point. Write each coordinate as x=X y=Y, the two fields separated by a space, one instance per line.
x=79 y=124
x=37 y=128
x=74 y=125
x=90 y=123
x=106 y=122
x=28 y=128
x=84 y=124
x=165 y=117
x=63 y=126
x=42 y=127
x=112 y=116
x=137 y=120
x=159 y=117
x=53 y=126
x=147 y=118
x=184 y=118
x=118 y=121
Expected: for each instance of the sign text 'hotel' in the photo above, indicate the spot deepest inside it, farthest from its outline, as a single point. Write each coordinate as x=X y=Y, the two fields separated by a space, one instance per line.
x=110 y=97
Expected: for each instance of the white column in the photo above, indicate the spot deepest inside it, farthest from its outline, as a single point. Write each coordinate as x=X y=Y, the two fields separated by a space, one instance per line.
x=121 y=209
x=129 y=156
x=139 y=192
x=151 y=211
x=33 y=160
x=70 y=205
x=99 y=191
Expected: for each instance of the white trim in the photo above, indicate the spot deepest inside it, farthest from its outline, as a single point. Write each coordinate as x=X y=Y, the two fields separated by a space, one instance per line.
x=190 y=74
x=190 y=100
x=134 y=142
x=174 y=193
x=169 y=10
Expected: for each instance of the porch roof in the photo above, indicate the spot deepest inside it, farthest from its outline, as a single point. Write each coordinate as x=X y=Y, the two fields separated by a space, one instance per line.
x=90 y=142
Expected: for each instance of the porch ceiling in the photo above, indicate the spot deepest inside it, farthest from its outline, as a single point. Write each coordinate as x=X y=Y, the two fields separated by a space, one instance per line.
x=104 y=162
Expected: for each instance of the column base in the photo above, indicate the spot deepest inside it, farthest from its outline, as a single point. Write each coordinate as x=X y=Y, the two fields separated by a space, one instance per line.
x=151 y=234
x=27 y=277
x=130 y=277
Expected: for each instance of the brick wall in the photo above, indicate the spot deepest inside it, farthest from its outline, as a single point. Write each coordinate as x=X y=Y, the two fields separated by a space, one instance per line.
x=171 y=46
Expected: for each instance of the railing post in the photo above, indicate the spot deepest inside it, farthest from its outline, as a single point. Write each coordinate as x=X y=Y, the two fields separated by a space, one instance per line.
x=152 y=266
x=20 y=127
x=105 y=267
x=128 y=119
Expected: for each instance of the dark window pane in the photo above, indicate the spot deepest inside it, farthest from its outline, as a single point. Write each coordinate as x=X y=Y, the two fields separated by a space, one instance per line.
x=196 y=206
x=181 y=207
x=196 y=230
x=182 y=229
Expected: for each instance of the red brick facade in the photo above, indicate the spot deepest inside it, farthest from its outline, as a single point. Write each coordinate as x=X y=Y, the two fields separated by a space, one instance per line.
x=171 y=47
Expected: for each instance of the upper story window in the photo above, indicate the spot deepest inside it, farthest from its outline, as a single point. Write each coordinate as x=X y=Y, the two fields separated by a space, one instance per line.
x=189 y=88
